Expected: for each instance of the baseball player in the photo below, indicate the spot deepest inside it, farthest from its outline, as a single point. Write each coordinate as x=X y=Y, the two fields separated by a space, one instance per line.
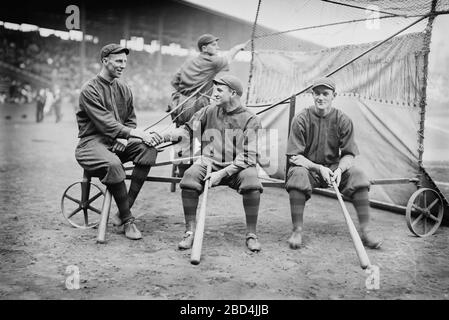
x=109 y=137
x=194 y=73
x=228 y=131
x=197 y=71
x=321 y=149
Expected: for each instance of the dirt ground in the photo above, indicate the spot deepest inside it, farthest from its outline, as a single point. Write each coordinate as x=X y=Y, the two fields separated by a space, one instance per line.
x=37 y=245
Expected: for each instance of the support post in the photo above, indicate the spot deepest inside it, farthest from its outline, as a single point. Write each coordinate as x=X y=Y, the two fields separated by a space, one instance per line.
x=291 y=115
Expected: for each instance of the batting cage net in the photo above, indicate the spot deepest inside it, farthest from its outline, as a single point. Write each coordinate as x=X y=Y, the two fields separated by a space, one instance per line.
x=381 y=85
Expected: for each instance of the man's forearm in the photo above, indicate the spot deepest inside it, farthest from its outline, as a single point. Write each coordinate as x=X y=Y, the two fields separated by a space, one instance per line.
x=302 y=161
x=232 y=169
x=234 y=50
x=346 y=162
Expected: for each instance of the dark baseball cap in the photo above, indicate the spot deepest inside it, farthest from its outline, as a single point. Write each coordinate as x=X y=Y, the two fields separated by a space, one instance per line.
x=112 y=48
x=326 y=82
x=205 y=39
x=230 y=81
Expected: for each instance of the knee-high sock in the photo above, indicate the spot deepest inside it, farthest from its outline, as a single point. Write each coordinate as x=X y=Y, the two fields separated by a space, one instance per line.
x=360 y=201
x=251 y=202
x=138 y=177
x=118 y=191
x=297 y=204
x=190 y=204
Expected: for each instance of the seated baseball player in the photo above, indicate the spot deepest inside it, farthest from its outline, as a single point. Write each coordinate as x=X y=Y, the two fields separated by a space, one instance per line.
x=321 y=149
x=228 y=132
x=109 y=137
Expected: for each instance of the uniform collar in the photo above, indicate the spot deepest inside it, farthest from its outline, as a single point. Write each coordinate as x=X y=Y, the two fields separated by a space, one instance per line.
x=315 y=112
x=239 y=109
x=105 y=80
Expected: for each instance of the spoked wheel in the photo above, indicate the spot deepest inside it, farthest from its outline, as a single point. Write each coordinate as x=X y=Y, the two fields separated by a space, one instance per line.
x=81 y=204
x=424 y=212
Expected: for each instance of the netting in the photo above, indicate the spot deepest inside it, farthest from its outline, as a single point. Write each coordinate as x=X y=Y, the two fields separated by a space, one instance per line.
x=306 y=23
x=278 y=74
x=415 y=7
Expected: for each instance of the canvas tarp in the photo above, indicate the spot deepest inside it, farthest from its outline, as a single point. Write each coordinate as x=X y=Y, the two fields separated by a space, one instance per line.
x=380 y=92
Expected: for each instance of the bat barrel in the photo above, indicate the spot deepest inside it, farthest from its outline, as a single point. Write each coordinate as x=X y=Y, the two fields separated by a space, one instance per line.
x=360 y=249
x=195 y=256
x=101 y=238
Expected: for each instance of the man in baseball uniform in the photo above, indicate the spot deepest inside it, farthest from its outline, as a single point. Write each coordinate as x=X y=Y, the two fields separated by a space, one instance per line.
x=109 y=137
x=229 y=134
x=321 y=149
x=197 y=71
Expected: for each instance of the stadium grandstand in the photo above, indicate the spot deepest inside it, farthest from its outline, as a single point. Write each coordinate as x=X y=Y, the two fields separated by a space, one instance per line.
x=37 y=50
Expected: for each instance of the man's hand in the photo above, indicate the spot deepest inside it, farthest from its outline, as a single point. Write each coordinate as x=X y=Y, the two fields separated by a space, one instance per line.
x=326 y=174
x=242 y=46
x=215 y=177
x=119 y=145
x=152 y=139
x=336 y=176
x=295 y=160
x=168 y=137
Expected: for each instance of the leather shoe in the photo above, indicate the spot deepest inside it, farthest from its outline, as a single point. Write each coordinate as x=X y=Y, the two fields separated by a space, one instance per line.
x=187 y=241
x=371 y=241
x=252 y=243
x=131 y=231
x=295 y=240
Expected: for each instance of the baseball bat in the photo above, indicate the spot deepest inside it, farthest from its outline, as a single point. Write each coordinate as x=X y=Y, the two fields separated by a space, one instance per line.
x=101 y=238
x=359 y=248
x=200 y=221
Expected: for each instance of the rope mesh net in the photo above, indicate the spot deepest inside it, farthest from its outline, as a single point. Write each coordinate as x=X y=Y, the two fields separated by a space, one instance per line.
x=283 y=57
x=415 y=7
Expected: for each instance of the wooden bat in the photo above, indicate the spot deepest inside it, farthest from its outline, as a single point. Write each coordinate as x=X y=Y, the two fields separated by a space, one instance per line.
x=200 y=221
x=359 y=248
x=101 y=238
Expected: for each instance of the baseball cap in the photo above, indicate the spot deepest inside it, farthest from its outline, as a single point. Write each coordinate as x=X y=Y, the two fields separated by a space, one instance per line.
x=205 y=39
x=112 y=48
x=230 y=81
x=326 y=82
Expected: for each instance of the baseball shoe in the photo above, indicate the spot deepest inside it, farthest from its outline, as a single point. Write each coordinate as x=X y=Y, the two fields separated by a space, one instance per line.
x=187 y=241
x=371 y=241
x=252 y=243
x=295 y=240
x=131 y=231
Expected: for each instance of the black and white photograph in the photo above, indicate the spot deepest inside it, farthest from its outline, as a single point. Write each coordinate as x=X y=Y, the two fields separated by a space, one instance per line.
x=235 y=151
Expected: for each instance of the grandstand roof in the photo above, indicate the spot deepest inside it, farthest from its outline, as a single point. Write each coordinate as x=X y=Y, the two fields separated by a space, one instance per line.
x=167 y=20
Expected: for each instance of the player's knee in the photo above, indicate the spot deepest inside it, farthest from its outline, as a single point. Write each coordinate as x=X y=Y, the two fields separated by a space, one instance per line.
x=298 y=172
x=114 y=164
x=249 y=181
x=191 y=180
x=358 y=177
x=146 y=155
x=298 y=179
x=114 y=172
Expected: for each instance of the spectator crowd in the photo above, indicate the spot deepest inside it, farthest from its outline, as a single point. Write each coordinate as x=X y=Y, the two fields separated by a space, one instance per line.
x=58 y=61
